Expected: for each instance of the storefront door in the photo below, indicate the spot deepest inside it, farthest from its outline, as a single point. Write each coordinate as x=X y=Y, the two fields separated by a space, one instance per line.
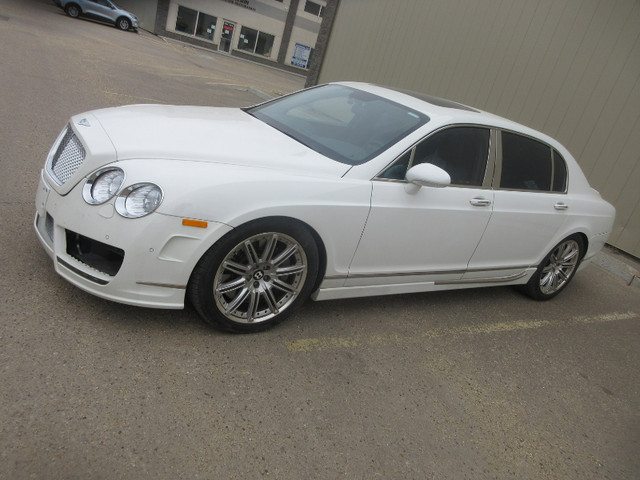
x=227 y=35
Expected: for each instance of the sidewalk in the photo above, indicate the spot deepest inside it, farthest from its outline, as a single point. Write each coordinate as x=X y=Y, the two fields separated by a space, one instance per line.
x=620 y=264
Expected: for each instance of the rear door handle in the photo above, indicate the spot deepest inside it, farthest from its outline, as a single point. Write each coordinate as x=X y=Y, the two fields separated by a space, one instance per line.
x=480 y=202
x=561 y=206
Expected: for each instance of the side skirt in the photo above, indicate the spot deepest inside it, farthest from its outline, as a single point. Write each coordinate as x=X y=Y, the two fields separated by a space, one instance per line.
x=416 y=287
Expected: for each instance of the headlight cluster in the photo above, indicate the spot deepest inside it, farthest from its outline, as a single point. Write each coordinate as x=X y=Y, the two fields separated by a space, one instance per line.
x=134 y=201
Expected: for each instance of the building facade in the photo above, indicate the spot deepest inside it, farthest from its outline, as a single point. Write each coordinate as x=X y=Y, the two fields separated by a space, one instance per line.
x=570 y=69
x=280 y=33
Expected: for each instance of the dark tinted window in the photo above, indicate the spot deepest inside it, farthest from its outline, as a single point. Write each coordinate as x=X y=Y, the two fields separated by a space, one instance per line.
x=559 y=173
x=186 y=20
x=460 y=151
x=313 y=8
x=526 y=163
x=398 y=170
x=206 y=26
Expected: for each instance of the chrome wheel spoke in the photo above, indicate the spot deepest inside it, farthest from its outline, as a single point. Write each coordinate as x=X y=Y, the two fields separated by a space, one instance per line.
x=563 y=275
x=291 y=270
x=271 y=300
x=269 y=249
x=231 y=286
x=237 y=301
x=252 y=310
x=285 y=287
x=250 y=251
x=291 y=250
x=235 y=267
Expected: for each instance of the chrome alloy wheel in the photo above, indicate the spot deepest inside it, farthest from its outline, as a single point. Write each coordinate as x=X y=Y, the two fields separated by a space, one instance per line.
x=260 y=277
x=560 y=267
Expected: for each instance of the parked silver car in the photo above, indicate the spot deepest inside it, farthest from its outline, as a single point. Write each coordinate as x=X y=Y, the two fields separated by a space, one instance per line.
x=102 y=10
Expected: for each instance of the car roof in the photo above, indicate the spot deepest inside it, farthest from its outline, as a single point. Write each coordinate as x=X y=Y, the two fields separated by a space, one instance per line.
x=442 y=111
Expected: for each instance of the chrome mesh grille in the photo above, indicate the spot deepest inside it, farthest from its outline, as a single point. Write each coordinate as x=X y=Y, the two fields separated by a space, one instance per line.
x=48 y=225
x=68 y=157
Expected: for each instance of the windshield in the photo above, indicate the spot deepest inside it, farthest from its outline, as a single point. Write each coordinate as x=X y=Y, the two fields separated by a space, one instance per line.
x=342 y=123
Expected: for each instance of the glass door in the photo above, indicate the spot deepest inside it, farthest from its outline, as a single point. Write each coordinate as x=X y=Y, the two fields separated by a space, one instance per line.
x=226 y=36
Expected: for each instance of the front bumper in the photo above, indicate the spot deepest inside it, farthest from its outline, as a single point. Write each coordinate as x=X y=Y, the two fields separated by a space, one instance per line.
x=144 y=262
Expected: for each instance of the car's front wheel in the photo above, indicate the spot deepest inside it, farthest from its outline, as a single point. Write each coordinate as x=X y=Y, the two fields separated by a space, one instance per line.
x=123 y=23
x=255 y=276
x=73 y=10
x=556 y=270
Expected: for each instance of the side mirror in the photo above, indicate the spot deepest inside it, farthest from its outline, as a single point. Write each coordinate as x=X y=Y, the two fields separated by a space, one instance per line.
x=427 y=175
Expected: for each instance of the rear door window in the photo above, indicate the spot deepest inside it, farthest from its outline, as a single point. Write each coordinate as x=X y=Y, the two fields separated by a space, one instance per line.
x=526 y=163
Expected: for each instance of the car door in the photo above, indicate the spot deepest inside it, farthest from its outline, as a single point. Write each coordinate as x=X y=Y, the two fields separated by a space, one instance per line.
x=100 y=9
x=530 y=207
x=427 y=234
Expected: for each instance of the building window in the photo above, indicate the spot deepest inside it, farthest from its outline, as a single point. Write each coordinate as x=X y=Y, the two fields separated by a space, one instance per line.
x=314 y=8
x=206 y=26
x=196 y=23
x=256 y=42
x=186 y=21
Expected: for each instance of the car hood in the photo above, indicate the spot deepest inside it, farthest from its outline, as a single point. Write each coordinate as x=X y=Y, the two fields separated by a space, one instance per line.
x=208 y=134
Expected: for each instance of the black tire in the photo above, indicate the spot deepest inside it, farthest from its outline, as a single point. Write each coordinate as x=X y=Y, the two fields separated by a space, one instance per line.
x=255 y=276
x=73 y=10
x=556 y=270
x=123 y=23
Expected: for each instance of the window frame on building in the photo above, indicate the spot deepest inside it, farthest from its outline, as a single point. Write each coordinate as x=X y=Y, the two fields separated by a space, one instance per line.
x=257 y=36
x=310 y=8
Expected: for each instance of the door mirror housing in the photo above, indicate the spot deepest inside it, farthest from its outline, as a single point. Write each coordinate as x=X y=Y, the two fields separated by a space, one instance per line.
x=428 y=175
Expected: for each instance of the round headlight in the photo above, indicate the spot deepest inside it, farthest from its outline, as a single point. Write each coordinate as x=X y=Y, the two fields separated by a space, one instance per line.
x=139 y=200
x=102 y=186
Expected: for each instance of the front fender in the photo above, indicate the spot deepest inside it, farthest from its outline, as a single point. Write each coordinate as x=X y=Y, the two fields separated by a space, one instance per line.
x=334 y=207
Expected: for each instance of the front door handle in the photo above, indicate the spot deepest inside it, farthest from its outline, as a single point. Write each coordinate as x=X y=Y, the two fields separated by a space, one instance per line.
x=561 y=206
x=480 y=202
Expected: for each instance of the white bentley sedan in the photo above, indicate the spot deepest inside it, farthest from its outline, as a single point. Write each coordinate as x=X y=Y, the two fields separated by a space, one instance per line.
x=342 y=190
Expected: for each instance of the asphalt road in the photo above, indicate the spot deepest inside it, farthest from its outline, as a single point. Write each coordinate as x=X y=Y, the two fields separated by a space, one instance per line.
x=474 y=384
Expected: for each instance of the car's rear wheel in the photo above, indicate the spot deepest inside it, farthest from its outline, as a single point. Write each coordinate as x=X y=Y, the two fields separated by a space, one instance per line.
x=255 y=276
x=556 y=270
x=123 y=23
x=73 y=10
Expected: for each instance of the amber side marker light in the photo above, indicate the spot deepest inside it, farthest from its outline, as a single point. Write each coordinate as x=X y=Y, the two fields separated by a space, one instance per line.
x=194 y=223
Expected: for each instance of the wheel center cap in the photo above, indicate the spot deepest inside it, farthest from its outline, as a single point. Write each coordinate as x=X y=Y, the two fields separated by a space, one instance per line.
x=259 y=275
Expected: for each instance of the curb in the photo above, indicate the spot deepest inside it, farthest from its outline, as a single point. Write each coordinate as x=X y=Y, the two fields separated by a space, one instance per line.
x=620 y=264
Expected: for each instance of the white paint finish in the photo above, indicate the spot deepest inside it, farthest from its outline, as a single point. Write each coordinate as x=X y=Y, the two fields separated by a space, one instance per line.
x=224 y=167
x=523 y=228
x=430 y=234
x=207 y=134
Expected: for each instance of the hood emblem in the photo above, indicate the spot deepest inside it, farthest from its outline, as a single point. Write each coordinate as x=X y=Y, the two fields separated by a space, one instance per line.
x=84 y=122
